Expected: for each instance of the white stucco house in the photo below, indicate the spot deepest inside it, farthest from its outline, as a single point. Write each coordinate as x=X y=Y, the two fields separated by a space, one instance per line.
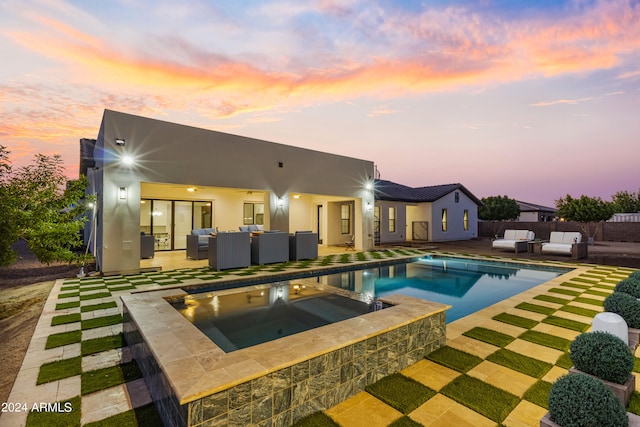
x=435 y=213
x=166 y=179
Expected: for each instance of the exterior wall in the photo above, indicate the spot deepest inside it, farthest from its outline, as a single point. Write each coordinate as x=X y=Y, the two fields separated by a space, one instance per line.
x=400 y=235
x=455 y=228
x=528 y=217
x=170 y=153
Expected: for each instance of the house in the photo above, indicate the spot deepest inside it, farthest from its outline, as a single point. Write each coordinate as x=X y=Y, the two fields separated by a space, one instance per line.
x=165 y=179
x=436 y=213
x=530 y=212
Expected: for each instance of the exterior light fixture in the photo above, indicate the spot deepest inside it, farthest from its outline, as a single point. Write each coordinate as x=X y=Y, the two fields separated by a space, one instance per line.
x=296 y=196
x=191 y=189
x=122 y=193
x=127 y=160
x=369 y=206
x=120 y=142
x=368 y=186
x=280 y=202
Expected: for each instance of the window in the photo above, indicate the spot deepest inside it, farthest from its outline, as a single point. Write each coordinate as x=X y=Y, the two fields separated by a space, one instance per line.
x=253 y=213
x=444 y=220
x=345 y=219
x=465 y=220
x=392 y=220
x=457 y=197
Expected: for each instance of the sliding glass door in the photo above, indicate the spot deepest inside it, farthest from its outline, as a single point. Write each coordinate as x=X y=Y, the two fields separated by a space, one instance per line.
x=169 y=221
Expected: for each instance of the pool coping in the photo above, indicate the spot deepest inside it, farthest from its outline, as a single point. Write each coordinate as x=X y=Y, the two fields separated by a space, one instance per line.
x=195 y=367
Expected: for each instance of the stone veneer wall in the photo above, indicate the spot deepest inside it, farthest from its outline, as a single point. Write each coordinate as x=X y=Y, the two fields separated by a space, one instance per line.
x=284 y=396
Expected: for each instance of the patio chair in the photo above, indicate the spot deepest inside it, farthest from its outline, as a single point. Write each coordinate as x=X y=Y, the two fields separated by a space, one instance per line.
x=350 y=244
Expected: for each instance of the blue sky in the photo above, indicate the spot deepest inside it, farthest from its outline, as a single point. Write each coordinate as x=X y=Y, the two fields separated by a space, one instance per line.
x=534 y=100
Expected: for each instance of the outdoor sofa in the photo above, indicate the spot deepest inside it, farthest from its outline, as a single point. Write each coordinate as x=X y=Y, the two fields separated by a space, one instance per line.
x=198 y=243
x=269 y=247
x=230 y=249
x=565 y=243
x=515 y=240
x=303 y=245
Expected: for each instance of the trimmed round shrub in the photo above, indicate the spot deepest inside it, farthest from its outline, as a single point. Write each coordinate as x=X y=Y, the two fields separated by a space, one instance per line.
x=577 y=400
x=635 y=275
x=603 y=355
x=627 y=306
x=629 y=286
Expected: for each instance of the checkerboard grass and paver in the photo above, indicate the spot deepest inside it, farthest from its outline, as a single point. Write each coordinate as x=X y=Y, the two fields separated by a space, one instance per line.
x=498 y=386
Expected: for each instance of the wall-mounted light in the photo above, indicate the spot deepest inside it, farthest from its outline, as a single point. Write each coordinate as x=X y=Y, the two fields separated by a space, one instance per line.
x=120 y=142
x=369 y=206
x=280 y=202
x=127 y=160
x=368 y=186
x=122 y=193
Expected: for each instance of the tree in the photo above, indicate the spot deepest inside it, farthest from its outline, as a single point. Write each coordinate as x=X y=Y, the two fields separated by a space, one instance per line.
x=41 y=206
x=498 y=208
x=626 y=202
x=588 y=211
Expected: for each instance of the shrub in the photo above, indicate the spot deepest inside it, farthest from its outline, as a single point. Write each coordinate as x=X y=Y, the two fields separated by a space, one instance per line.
x=603 y=355
x=635 y=275
x=629 y=286
x=626 y=306
x=577 y=400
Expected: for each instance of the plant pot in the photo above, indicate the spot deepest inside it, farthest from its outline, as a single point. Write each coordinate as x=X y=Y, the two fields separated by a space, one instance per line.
x=621 y=391
x=634 y=338
x=634 y=420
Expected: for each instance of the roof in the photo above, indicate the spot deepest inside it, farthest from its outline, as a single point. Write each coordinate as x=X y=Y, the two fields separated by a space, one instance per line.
x=391 y=191
x=531 y=207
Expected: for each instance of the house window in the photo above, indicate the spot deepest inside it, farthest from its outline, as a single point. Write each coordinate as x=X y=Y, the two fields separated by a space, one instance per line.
x=444 y=220
x=392 y=220
x=253 y=213
x=465 y=220
x=456 y=196
x=345 y=219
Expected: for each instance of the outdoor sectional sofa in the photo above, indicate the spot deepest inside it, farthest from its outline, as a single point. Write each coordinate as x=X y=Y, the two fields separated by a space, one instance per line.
x=269 y=247
x=515 y=240
x=303 y=245
x=565 y=243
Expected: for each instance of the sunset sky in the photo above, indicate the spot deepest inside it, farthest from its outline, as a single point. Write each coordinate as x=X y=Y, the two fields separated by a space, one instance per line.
x=530 y=99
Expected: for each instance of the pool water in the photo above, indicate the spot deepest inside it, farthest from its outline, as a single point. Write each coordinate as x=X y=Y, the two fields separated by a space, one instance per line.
x=249 y=316
x=467 y=285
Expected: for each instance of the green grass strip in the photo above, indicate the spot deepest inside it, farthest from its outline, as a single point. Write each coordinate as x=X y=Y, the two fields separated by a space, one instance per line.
x=400 y=392
x=514 y=320
x=564 y=361
x=99 y=322
x=565 y=292
x=566 y=323
x=95 y=296
x=579 y=310
x=535 y=308
x=634 y=403
x=599 y=293
x=68 y=415
x=63 y=338
x=101 y=379
x=96 y=345
x=546 y=340
x=575 y=285
x=519 y=362
x=455 y=359
x=69 y=295
x=66 y=305
x=487 y=400
x=317 y=419
x=63 y=319
x=489 y=336
x=539 y=394
x=405 y=421
x=591 y=301
x=60 y=369
x=585 y=280
x=636 y=364
x=101 y=306
x=549 y=298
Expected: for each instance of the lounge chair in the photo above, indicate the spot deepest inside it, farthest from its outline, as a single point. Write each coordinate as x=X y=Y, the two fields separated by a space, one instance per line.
x=350 y=244
x=515 y=240
x=565 y=243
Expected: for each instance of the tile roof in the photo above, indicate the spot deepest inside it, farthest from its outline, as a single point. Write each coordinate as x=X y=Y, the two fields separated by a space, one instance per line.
x=391 y=191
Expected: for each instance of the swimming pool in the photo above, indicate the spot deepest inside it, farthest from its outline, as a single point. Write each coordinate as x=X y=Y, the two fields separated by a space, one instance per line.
x=468 y=285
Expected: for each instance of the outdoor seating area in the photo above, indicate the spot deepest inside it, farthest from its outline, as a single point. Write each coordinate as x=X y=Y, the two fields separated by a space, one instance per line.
x=515 y=240
x=565 y=243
